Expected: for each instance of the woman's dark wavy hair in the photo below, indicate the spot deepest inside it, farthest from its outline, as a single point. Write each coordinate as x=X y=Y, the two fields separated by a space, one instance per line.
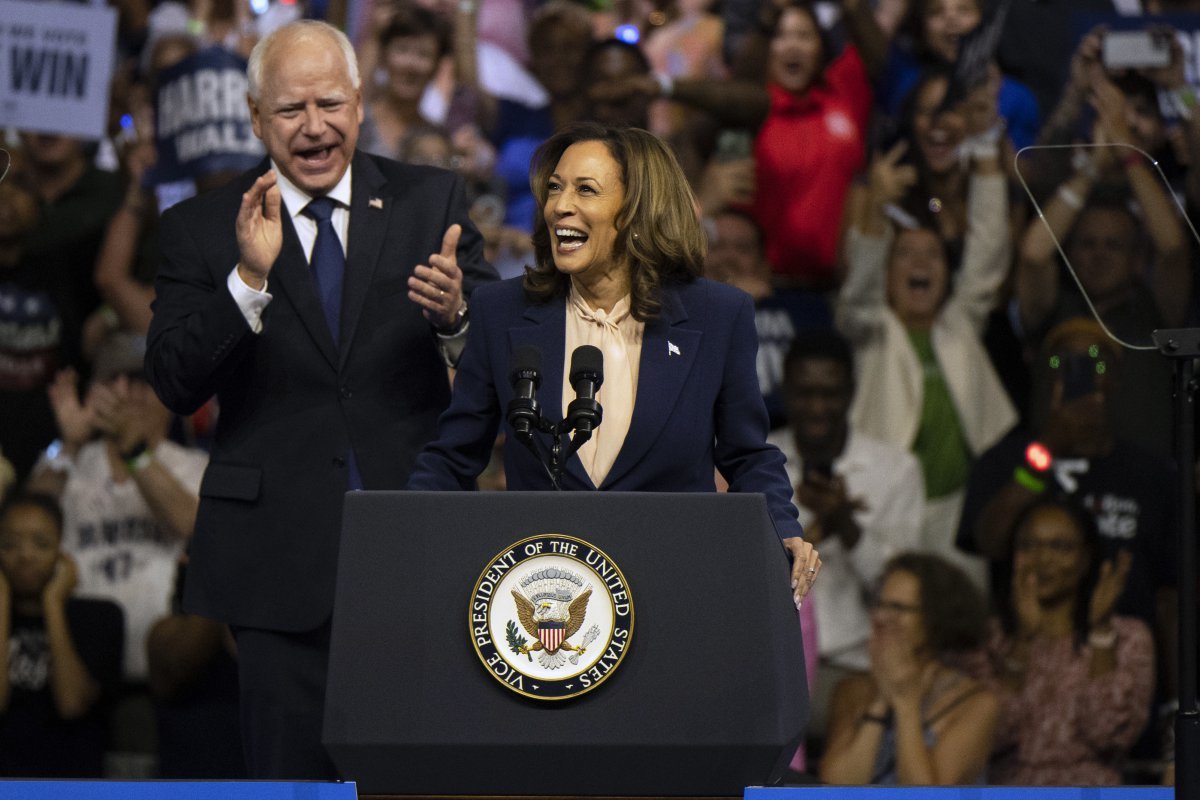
x=1085 y=523
x=657 y=225
x=410 y=20
x=912 y=27
x=953 y=610
x=916 y=201
x=772 y=14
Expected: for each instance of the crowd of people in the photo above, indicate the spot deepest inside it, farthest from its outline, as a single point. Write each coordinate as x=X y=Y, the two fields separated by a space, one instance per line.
x=954 y=263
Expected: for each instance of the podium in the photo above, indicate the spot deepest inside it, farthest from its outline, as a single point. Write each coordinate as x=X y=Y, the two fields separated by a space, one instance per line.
x=709 y=697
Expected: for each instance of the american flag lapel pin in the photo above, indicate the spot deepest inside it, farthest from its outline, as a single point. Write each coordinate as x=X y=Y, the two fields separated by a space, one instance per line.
x=376 y=202
x=672 y=349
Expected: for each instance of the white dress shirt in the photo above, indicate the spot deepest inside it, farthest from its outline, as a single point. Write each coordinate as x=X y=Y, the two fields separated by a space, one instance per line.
x=889 y=482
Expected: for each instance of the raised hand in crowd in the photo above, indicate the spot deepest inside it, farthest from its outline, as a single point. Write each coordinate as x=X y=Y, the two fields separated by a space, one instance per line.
x=725 y=184
x=1085 y=61
x=118 y=417
x=1172 y=75
x=76 y=420
x=889 y=180
x=901 y=678
x=127 y=298
x=1111 y=109
x=834 y=508
x=1114 y=575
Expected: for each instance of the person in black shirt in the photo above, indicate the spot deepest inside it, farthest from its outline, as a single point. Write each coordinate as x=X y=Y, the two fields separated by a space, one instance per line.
x=59 y=656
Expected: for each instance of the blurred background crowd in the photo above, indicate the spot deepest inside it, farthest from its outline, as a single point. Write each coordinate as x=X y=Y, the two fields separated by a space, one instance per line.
x=931 y=203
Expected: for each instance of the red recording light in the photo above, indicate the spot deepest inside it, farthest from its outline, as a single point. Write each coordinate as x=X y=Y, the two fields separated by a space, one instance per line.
x=1038 y=456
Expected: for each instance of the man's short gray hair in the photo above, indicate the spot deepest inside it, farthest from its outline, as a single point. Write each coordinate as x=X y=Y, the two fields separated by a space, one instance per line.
x=254 y=70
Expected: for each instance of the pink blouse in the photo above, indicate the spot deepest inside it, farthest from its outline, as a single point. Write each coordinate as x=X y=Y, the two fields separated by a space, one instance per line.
x=1062 y=728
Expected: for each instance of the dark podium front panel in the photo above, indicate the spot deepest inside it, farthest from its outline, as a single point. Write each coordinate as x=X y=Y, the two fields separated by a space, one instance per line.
x=710 y=697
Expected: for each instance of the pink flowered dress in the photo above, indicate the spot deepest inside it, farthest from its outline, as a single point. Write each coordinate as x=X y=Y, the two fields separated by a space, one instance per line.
x=1061 y=728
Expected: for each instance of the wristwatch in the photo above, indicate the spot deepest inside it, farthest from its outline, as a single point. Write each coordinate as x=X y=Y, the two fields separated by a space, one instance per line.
x=460 y=321
x=138 y=457
x=56 y=458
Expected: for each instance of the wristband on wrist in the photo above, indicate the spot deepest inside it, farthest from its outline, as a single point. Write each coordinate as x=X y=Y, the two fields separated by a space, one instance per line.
x=1185 y=100
x=460 y=322
x=1103 y=640
x=983 y=151
x=1070 y=197
x=1083 y=163
x=1030 y=481
x=56 y=458
x=666 y=84
x=138 y=457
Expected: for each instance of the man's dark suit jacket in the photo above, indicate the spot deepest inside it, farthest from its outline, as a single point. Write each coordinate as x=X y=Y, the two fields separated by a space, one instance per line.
x=291 y=405
x=698 y=403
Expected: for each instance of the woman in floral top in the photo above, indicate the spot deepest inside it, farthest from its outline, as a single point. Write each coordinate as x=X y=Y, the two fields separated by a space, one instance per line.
x=1075 y=681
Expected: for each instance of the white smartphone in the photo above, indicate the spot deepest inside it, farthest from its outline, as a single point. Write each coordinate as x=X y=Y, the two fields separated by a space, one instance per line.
x=1136 y=49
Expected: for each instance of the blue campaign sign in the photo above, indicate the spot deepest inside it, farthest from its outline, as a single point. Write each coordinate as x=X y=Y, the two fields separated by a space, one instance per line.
x=202 y=122
x=55 y=66
x=178 y=790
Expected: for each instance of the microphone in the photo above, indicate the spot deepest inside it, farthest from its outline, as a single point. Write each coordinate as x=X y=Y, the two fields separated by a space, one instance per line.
x=525 y=374
x=587 y=373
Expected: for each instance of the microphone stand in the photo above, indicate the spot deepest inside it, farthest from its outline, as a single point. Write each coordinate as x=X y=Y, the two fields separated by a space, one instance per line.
x=550 y=460
x=1182 y=346
x=554 y=458
x=558 y=436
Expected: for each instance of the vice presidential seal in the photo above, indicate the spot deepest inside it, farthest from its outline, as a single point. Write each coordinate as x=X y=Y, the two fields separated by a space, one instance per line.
x=551 y=617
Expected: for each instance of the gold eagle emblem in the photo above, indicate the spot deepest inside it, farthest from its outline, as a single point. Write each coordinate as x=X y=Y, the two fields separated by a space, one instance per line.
x=550 y=623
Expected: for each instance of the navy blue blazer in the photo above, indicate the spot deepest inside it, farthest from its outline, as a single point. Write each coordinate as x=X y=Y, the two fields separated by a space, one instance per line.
x=294 y=404
x=698 y=403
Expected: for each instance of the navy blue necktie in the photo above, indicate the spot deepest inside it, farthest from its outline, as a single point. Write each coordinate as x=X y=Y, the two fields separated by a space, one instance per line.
x=328 y=262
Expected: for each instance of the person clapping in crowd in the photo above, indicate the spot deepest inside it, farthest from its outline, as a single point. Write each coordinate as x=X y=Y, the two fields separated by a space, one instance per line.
x=1060 y=646
x=861 y=499
x=129 y=497
x=915 y=718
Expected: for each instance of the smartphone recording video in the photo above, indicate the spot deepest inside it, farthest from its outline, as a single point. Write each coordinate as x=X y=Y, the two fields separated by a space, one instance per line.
x=1079 y=376
x=1136 y=49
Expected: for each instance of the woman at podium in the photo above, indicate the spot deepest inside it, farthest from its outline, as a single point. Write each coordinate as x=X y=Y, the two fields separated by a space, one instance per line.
x=613 y=339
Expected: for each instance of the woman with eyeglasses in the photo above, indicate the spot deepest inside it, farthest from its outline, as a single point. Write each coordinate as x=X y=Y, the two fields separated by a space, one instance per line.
x=915 y=718
x=1075 y=679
